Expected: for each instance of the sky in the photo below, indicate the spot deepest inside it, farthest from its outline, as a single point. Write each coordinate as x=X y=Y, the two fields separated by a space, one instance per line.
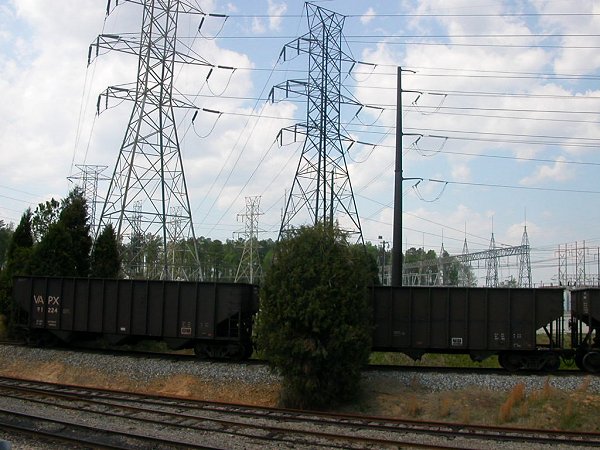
x=499 y=110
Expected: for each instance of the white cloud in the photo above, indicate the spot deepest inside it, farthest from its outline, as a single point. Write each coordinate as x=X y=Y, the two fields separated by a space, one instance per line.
x=276 y=10
x=368 y=16
x=461 y=172
x=258 y=26
x=559 y=172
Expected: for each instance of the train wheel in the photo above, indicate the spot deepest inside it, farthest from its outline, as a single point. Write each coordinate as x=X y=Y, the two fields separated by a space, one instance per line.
x=551 y=362
x=201 y=351
x=591 y=362
x=510 y=361
x=242 y=352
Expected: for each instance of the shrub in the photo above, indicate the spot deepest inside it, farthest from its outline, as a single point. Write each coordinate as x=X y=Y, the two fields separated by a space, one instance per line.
x=314 y=322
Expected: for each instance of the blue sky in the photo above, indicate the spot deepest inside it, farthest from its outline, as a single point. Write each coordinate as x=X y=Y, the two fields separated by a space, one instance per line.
x=507 y=108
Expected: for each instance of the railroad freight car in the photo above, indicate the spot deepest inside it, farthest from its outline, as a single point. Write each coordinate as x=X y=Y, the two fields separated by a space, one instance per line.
x=585 y=328
x=480 y=322
x=215 y=319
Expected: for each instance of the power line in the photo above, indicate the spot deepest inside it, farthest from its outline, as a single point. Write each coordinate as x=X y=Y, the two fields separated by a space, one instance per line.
x=506 y=186
x=517 y=158
x=377 y=38
x=586 y=142
x=479 y=44
x=420 y=15
x=507 y=94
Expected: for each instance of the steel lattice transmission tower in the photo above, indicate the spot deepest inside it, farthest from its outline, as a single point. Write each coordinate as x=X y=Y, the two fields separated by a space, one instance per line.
x=491 y=279
x=464 y=270
x=321 y=188
x=147 y=201
x=87 y=178
x=249 y=268
x=525 y=262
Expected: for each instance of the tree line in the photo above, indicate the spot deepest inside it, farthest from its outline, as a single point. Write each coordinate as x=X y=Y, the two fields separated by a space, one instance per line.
x=55 y=240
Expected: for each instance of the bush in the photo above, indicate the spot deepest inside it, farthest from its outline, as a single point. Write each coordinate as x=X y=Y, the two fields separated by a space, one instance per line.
x=314 y=321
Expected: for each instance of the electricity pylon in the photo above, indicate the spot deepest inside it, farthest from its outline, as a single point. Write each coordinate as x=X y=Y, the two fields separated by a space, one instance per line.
x=147 y=201
x=491 y=264
x=87 y=178
x=321 y=186
x=249 y=268
x=525 y=262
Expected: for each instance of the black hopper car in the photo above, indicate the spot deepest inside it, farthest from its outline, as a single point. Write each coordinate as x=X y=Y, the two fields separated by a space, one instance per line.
x=215 y=319
x=526 y=328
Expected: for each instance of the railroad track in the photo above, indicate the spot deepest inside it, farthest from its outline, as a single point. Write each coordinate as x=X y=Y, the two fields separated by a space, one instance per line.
x=114 y=419
x=172 y=356
x=11 y=342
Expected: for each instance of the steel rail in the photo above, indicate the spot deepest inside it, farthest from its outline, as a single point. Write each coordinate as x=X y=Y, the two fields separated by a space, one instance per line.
x=339 y=420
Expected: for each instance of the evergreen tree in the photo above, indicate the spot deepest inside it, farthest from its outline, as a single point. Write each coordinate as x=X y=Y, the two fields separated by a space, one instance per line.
x=64 y=247
x=53 y=256
x=5 y=238
x=74 y=218
x=105 y=260
x=314 y=322
x=44 y=215
x=18 y=260
x=18 y=256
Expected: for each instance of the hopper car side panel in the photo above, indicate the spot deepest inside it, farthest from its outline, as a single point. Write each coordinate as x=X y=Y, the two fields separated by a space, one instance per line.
x=417 y=320
x=180 y=312
x=585 y=304
x=585 y=328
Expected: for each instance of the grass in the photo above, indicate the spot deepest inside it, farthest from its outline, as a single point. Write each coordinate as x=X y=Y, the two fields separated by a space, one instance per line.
x=445 y=404
x=442 y=360
x=515 y=398
x=431 y=359
x=414 y=407
x=546 y=407
x=549 y=407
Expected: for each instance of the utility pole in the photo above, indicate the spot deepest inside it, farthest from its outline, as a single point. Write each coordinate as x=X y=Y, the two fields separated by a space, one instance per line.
x=397 y=233
x=398 y=179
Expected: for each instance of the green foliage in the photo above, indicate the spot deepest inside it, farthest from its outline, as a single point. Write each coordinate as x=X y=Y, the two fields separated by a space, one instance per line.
x=431 y=360
x=18 y=256
x=422 y=267
x=6 y=233
x=18 y=260
x=74 y=217
x=369 y=258
x=44 y=215
x=314 y=322
x=53 y=256
x=219 y=260
x=64 y=247
x=105 y=259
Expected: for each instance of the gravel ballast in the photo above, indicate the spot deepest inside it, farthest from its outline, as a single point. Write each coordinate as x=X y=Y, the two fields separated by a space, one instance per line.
x=30 y=363
x=428 y=395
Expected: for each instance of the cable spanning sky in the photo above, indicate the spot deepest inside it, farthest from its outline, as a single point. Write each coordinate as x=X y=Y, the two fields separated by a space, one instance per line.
x=501 y=114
